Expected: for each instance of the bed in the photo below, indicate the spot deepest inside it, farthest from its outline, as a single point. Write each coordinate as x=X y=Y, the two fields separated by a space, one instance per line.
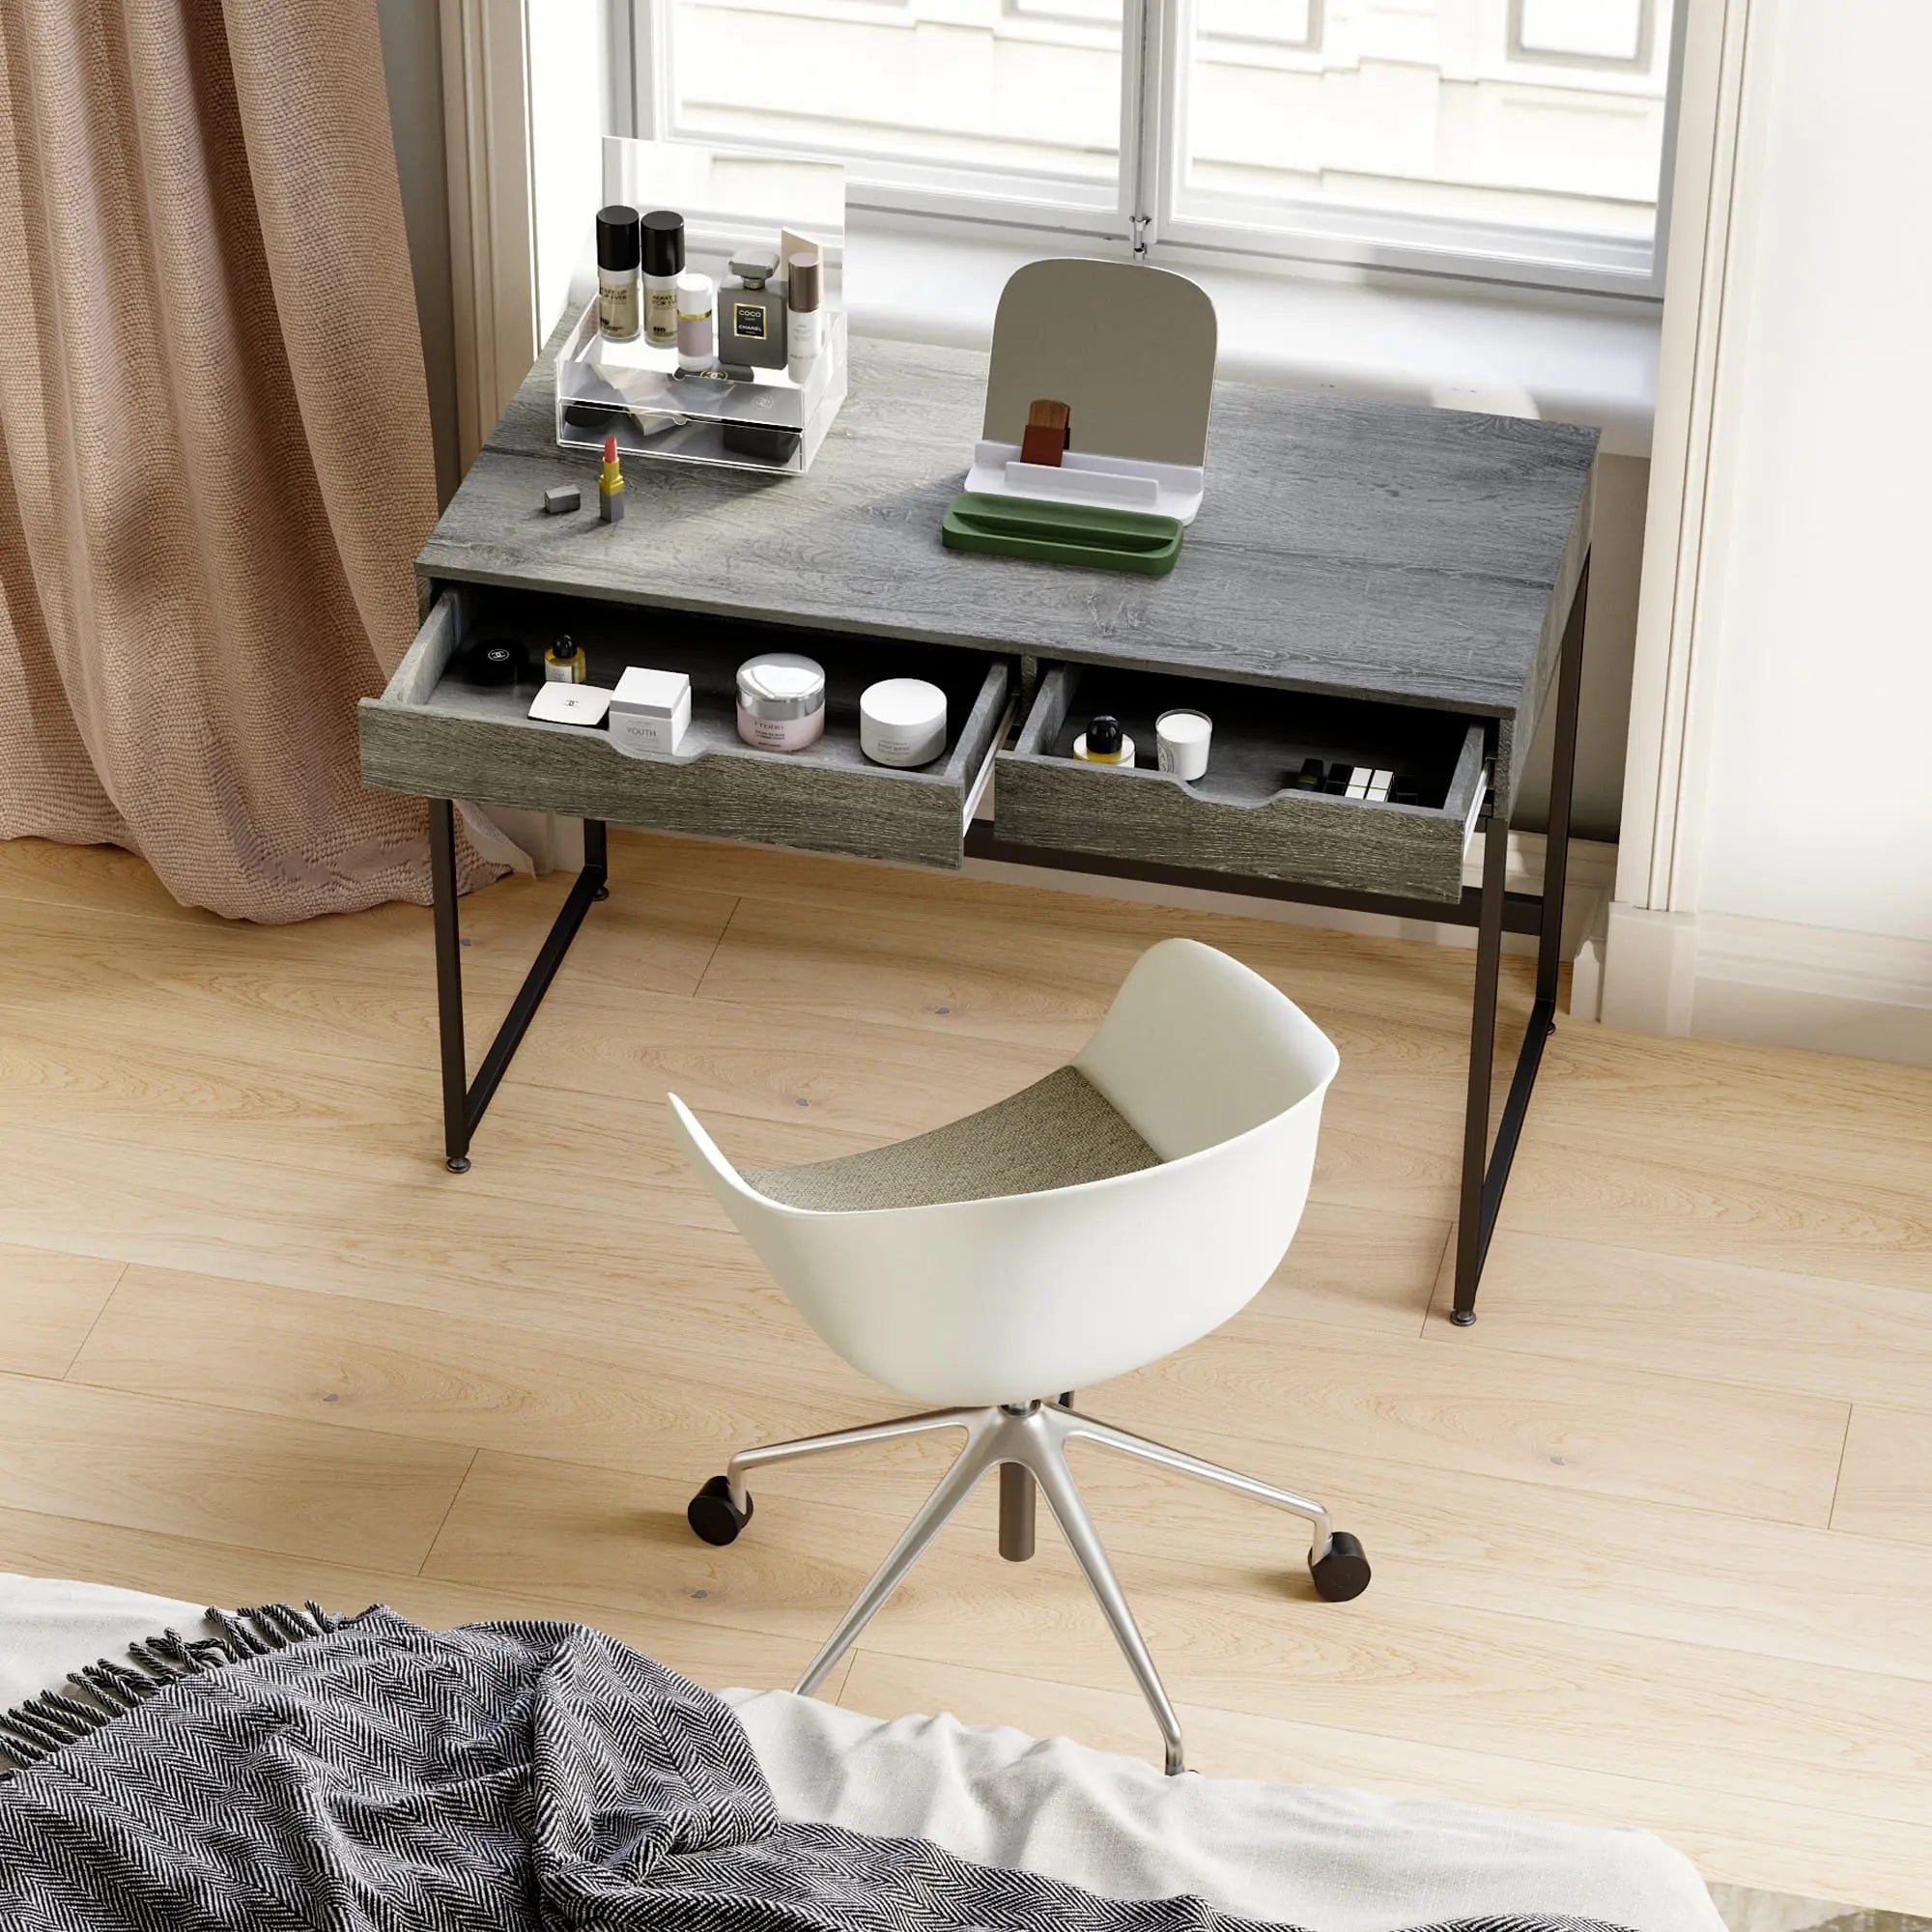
x=1329 y=1859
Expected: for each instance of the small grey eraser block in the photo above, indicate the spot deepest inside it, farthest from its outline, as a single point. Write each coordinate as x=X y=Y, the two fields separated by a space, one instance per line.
x=561 y=498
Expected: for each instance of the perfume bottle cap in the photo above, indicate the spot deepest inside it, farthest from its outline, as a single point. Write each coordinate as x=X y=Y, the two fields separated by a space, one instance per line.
x=664 y=242
x=694 y=295
x=565 y=648
x=755 y=266
x=1103 y=736
x=804 y=282
x=618 y=244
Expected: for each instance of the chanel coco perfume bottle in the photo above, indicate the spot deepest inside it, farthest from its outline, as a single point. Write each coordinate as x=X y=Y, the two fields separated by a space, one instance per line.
x=751 y=317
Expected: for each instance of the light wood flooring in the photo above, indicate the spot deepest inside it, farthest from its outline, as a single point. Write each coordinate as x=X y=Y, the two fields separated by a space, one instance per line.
x=1653 y=1541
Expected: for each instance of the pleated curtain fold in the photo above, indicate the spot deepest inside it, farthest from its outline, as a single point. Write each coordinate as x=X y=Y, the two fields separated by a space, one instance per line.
x=216 y=442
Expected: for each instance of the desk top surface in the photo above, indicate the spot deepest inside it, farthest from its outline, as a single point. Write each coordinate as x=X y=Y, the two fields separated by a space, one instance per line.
x=1371 y=549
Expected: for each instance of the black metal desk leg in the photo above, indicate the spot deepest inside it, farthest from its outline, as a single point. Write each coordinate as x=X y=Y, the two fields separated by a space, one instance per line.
x=1469 y=1231
x=449 y=985
x=597 y=855
x=1562 y=793
x=1486 y=1173
x=462 y=1100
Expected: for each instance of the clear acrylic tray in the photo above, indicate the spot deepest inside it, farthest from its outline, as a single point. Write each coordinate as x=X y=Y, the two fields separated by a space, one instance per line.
x=748 y=420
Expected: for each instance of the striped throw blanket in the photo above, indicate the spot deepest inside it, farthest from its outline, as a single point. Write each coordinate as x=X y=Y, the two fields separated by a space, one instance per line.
x=371 y=1776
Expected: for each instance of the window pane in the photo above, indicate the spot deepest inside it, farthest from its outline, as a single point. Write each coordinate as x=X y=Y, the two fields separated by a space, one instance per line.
x=1536 y=114
x=1611 y=30
x=1014 y=87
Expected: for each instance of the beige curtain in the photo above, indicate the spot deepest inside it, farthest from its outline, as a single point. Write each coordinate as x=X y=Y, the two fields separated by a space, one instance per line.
x=216 y=441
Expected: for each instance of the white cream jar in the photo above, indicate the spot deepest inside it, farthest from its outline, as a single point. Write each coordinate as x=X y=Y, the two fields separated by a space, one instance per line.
x=780 y=702
x=902 y=722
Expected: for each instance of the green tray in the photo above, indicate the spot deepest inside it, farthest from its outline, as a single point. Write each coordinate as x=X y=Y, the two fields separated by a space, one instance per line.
x=1061 y=532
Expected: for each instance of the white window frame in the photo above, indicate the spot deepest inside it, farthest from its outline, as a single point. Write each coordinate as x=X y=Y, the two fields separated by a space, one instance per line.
x=1138 y=211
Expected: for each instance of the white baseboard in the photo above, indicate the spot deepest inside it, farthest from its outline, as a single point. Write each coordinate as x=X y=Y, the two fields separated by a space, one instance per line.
x=1648 y=969
x=1782 y=985
x=1770 y=982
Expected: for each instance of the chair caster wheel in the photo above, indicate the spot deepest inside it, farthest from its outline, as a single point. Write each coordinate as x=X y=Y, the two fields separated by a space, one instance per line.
x=715 y=1517
x=1342 y=1571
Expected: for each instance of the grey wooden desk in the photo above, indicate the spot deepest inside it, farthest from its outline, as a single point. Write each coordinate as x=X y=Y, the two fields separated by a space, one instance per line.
x=1368 y=582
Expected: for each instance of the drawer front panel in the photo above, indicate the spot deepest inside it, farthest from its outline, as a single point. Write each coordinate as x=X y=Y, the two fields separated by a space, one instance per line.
x=1243 y=817
x=434 y=734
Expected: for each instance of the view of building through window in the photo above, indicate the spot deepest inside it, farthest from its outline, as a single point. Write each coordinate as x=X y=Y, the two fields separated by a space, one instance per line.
x=1546 y=114
x=1023 y=87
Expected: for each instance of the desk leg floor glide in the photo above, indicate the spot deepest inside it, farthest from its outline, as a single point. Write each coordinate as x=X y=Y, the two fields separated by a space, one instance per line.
x=465 y=1101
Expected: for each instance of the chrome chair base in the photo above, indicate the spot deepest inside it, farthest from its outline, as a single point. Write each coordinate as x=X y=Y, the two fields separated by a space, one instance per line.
x=1032 y=1437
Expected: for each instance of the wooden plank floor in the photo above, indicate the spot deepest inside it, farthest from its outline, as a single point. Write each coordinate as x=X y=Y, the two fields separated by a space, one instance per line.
x=1653 y=1541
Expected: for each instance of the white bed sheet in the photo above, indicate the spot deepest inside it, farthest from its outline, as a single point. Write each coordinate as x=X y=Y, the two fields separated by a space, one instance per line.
x=1297 y=1854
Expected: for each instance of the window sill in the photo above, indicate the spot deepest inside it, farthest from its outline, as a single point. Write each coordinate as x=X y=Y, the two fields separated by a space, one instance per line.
x=1453 y=345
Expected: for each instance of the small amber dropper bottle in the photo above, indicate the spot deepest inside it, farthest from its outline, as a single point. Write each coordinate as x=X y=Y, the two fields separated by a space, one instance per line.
x=563 y=663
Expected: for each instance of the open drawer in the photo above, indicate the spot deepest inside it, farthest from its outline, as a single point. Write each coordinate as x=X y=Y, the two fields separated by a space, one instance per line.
x=434 y=733
x=1245 y=815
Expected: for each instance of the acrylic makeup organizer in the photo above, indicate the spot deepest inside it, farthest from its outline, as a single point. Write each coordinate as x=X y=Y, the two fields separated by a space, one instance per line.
x=765 y=420
x=636 y=392
x=1126 y=353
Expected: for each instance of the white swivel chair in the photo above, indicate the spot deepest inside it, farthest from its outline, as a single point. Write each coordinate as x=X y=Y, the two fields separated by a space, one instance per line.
x=1098 y=1220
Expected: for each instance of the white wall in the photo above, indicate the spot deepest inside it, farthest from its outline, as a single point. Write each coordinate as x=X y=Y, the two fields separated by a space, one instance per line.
x=1818 y=803
x=1774 y=881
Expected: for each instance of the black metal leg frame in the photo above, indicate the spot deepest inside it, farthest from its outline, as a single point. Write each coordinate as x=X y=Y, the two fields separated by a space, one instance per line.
x=1486 y=1173
x=464 y=1100
x=1488 y=908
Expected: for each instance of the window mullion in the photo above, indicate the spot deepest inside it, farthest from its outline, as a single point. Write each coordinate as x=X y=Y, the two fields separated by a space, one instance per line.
x=1145 y=31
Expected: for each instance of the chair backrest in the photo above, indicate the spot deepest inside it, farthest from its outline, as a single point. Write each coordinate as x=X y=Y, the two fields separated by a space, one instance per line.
x=1196 y=1049
x=1024 y=1294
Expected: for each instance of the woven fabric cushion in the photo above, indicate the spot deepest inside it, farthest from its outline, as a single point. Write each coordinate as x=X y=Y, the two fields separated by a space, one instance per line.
x=1059 y=1132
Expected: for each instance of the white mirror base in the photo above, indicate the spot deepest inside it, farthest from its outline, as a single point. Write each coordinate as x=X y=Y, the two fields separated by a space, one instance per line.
x=1105 y=482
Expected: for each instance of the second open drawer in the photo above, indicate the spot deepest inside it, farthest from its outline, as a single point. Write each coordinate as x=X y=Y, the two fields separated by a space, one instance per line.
x=1245 y=816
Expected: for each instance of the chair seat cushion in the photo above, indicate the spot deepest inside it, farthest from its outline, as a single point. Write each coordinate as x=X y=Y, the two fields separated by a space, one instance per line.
x=1059 y=1132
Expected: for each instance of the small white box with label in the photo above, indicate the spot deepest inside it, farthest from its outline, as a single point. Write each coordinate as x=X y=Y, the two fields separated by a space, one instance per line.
x=649 y=710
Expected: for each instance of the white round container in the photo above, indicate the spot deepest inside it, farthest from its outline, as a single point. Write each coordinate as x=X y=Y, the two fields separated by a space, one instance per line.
x=780 y=702
x=1182 y=739
x=696 y=329
x=902 y=722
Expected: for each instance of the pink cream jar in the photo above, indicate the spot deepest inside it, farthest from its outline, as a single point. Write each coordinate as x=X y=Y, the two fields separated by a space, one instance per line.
x=780 y=702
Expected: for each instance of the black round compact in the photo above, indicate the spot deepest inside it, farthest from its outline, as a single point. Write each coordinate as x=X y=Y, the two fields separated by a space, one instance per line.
x=493 y=660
